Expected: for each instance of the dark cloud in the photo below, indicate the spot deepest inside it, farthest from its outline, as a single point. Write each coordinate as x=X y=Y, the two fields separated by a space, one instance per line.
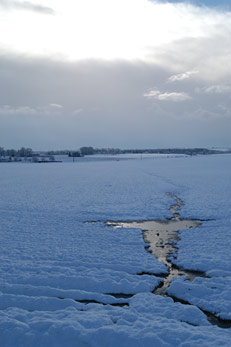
x=46 y=104
x=26 y=5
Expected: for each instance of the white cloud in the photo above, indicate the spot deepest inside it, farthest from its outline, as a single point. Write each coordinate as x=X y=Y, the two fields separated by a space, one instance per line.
x=106 y=29
x=182 y=76
x=152 y=93
x=176 y=97
x=172 y=96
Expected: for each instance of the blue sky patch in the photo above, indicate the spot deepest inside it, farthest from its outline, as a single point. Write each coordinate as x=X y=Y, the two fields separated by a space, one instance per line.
x=211 y=3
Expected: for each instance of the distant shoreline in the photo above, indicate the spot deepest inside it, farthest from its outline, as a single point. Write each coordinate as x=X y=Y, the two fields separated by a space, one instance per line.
x=28 y=155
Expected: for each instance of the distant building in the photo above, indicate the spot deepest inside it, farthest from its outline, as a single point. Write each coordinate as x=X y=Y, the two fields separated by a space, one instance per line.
x=43 y=158
x=5 y=158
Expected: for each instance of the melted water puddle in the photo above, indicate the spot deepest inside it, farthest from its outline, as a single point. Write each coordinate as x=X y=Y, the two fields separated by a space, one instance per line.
x=161 y=237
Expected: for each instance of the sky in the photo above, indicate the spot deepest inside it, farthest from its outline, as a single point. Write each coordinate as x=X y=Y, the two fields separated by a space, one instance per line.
x=115 y=73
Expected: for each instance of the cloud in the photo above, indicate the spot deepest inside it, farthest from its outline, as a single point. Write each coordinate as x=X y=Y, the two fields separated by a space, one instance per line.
x=77 y=111
x=26 y=5
x=110 y=96
x=210 y=55
x=89 y=29
x=205 y=115
x=8 y=110
x=176 y=97
x=152 y=94
x=172 y=96
x=217 y=89
x=224 y=110
x=56 y=105
x=182 y=76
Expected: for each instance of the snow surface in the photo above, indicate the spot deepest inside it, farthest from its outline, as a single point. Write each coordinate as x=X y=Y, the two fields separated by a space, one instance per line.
x=210 y=294
x=59 y=274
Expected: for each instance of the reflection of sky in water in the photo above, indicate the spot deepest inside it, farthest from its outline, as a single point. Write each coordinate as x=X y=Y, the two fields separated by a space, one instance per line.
x=160 y=235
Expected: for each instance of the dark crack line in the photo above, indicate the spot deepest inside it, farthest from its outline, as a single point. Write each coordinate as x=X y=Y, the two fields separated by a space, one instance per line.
x=162 y=243
x=212 y=317
x=170 y=249
x=86 y=302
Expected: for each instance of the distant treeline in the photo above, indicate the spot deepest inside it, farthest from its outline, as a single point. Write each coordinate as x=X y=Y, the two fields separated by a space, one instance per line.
x=188 y=151
x=22 y=152
x=28 y=152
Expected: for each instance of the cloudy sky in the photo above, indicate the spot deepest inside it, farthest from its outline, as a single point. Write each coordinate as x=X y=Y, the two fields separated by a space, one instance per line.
x=115 y=73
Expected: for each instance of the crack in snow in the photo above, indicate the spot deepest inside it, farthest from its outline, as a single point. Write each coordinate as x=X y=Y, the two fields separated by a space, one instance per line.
x=160 y=237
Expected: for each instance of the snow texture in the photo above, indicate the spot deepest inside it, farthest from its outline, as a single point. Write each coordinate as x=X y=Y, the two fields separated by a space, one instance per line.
x=66 y=279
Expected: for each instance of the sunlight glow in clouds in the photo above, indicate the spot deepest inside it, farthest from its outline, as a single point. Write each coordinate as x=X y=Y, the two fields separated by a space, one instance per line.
x=103 y=29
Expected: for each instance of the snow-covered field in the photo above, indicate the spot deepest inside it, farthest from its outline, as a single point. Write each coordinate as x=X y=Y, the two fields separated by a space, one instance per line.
x=66 y=279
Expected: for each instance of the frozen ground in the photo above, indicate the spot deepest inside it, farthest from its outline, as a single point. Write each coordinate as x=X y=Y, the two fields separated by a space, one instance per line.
x=65 y=282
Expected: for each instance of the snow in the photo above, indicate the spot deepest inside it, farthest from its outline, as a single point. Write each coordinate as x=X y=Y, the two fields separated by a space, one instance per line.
x=99 y=325
x=212 y=254
x=210 y=294
x=61 y=266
